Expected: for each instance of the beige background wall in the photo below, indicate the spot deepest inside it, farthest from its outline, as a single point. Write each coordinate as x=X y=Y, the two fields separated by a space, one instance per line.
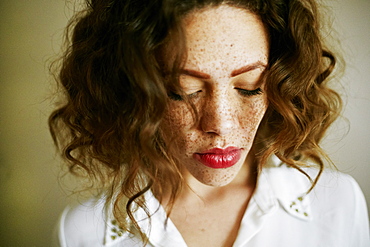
x=30 y=34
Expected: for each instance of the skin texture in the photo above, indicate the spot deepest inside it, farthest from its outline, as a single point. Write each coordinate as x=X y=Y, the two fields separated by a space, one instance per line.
x=220 y=41
x=222 y=61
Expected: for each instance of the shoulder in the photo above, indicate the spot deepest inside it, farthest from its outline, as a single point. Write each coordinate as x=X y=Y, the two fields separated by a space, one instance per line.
x=82 y=224
x=91 y=224
x=334 y=211
x=333 y=188
x=338 y=203
x=334 y=191
x=338 y=190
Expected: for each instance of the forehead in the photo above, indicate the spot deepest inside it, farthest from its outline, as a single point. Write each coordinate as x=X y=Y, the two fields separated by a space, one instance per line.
x=224 y=37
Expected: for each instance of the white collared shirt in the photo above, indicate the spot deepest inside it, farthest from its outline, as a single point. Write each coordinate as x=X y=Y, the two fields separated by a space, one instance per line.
x=333 y=214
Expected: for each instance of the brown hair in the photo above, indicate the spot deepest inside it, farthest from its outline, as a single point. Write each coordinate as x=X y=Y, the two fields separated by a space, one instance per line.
x=113 y=81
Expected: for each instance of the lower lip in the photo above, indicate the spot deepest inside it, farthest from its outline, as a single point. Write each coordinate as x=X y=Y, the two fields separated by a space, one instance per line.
x=219 y=160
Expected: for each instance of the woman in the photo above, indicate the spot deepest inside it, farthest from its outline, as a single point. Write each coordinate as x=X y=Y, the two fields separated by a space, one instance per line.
x=200 y=122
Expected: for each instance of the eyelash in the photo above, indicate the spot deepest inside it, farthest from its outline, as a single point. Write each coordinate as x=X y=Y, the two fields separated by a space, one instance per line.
x=175 y=97
x=247 y=93
x=243 y=92
x=178 y=97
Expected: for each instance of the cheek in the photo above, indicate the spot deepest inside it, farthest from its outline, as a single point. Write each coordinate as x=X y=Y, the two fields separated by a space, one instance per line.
x=177 y=121
x=177 y=116
x=252 y=114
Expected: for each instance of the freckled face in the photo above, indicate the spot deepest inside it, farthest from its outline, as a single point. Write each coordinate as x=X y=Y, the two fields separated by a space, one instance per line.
x=227 y=51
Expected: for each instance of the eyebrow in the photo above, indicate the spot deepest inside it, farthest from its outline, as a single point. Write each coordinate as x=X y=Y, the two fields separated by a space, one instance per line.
x=195 y=73
x=247 y=68
x=234 y=73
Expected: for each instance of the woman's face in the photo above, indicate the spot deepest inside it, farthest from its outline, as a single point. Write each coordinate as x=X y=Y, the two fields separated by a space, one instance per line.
x=227 y=51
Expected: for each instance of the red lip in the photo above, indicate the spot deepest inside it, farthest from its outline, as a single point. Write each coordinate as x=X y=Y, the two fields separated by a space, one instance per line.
x=219 y=158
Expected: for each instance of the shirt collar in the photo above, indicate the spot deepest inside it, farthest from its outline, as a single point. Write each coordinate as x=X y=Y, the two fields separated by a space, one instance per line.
x=277 y=185
x=159 y=231
x=287 y=186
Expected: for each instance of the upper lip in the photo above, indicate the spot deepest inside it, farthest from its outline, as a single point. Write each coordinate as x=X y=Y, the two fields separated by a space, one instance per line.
x=219 y=150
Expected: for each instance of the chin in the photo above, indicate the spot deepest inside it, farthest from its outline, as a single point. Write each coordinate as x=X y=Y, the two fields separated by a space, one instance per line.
x=217 y=183
x=217 y=177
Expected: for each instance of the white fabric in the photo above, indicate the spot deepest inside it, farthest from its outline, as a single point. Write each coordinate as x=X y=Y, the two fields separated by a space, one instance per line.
x=279 y=214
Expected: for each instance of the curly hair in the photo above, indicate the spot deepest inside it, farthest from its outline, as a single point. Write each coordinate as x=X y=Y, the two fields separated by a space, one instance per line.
x=113 y=78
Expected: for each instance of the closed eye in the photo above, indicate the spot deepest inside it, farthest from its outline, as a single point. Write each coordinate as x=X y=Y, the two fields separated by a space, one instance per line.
x=178 y=97
x=175 y=96
x=249 y=93
x=193 y=95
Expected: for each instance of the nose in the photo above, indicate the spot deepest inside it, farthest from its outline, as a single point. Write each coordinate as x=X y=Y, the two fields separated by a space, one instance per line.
x=218 y=116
